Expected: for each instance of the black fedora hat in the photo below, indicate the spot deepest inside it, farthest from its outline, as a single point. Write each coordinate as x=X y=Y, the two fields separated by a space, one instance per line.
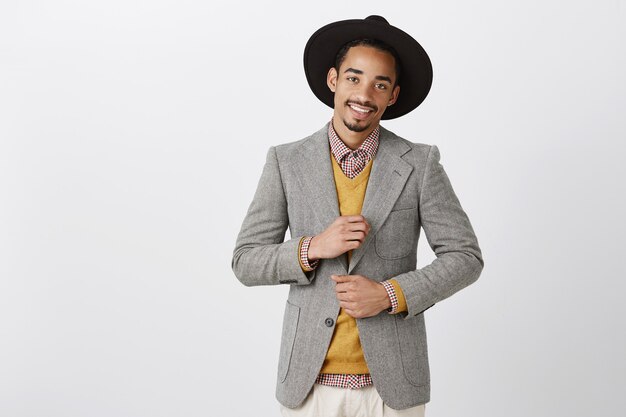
x=417 y=71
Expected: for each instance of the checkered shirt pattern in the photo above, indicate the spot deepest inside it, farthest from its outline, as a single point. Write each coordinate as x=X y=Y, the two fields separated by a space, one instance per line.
x=355 y=381
x=352 y=164
x=392 y=296
x=304 y=254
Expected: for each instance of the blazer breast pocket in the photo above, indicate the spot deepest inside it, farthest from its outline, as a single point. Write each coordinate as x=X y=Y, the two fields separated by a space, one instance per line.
x=394 y=239
x=290 y=326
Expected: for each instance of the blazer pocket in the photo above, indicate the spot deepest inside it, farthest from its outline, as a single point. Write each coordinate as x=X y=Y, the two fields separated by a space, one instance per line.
x=395 y=237
x=290 y=327
x=413 y=351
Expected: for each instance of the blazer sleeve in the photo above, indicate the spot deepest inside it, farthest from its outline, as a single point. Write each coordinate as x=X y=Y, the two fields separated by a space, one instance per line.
x=450 y=235
x=261 y=256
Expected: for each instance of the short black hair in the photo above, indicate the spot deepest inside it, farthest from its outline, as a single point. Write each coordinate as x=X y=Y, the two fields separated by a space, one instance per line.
x=374 y=43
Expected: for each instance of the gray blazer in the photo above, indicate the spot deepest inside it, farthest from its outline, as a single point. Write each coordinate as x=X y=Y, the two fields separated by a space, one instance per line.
x=407 y=189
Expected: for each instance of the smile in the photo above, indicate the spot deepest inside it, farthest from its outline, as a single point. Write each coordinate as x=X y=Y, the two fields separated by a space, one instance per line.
x=362 y=110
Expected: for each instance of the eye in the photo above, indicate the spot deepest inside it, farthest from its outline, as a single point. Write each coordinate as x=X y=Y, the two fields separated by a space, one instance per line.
x=352 y=79
x=381 y=86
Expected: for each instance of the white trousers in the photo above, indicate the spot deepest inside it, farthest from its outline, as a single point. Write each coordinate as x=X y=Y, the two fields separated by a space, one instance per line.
x=325 y=401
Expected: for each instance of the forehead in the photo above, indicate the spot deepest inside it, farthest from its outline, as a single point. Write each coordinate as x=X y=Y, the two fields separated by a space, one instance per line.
x=370 y=60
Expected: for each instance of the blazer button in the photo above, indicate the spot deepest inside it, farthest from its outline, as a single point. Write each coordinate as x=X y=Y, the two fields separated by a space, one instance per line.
x=329 y=322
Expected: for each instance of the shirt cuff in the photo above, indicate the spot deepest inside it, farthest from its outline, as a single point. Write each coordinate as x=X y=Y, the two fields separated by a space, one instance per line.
x=396 y=296
x=303 y=251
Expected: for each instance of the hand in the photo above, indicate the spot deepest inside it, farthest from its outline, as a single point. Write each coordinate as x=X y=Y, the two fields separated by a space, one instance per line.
x=344 y=234
x=360 y=296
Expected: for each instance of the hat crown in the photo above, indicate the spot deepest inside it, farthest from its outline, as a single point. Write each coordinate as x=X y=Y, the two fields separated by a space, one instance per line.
x=321 y=49
x=377 y=18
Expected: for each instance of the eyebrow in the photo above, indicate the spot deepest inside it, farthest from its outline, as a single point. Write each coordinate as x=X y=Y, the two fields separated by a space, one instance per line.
x=378 y=77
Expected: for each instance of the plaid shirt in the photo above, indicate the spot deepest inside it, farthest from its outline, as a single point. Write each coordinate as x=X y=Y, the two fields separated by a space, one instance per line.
x=352 y=163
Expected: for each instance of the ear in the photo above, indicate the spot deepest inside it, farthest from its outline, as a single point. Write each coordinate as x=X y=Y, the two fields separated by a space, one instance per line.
x=394 y=95
x=331 y=79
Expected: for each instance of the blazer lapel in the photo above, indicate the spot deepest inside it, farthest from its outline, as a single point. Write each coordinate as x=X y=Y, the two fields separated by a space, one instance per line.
x=315 y=174
x=387 y=178
x=388 y=175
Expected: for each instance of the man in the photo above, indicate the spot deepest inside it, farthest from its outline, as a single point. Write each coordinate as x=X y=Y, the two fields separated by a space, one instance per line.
x=354 y=196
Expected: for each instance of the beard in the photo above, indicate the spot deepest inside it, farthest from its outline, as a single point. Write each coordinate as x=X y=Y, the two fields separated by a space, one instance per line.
x=355 y=127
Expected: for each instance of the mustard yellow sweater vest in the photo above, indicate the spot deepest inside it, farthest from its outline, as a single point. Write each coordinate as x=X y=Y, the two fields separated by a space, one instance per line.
x=345 y=355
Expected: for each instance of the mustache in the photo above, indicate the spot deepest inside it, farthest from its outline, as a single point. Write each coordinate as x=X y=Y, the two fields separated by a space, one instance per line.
x=367 y=104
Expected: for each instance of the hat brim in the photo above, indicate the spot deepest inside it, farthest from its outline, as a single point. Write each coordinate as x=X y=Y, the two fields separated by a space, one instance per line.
x=417 y=72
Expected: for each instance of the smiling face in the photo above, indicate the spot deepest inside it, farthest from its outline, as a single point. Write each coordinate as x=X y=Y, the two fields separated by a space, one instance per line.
x=363 y=87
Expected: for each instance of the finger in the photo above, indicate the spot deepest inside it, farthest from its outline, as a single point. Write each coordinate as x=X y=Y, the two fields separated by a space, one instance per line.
x=341 y=278
x=347 y=305
x=354 y=218
x=342 y=296
x=348 y=286
x=351 y=245
x=342 y=287
x=357 y=226
x=346 y=278
x=358 y=235
x=354 y=313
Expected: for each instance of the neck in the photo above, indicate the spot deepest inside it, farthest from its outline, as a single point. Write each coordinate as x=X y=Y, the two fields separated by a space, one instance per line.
x=351 y=138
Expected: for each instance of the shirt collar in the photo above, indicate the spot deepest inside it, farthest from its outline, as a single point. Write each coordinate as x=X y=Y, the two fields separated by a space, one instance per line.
x=340 y=149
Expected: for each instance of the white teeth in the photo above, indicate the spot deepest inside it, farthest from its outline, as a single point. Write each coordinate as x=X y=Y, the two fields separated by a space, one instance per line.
x=359 y=109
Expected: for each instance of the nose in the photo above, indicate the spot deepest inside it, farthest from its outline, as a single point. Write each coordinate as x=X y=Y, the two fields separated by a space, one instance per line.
x=364 y=94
